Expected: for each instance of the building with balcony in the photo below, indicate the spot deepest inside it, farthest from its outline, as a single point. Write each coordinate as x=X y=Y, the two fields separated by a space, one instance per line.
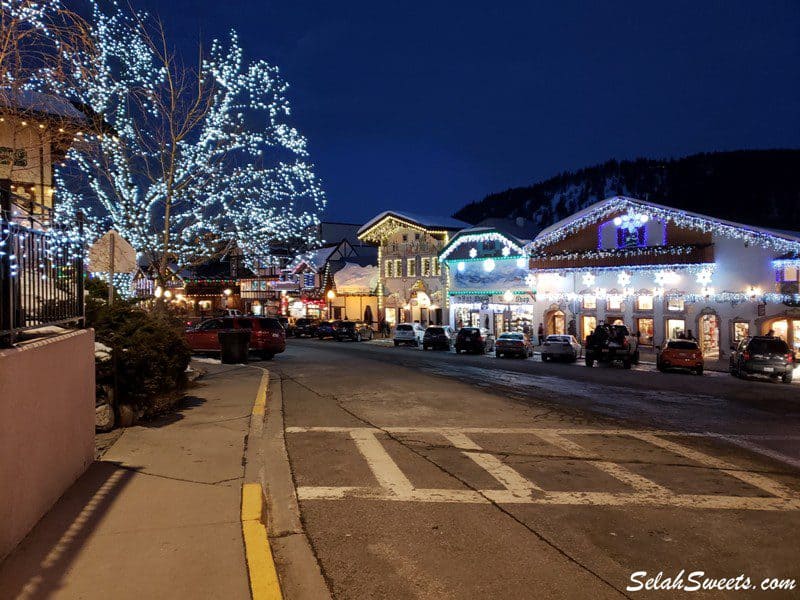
x=412 y=284
x=665 y=272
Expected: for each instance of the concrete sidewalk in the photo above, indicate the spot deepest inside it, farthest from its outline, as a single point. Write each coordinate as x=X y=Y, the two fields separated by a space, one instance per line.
x=158 y=516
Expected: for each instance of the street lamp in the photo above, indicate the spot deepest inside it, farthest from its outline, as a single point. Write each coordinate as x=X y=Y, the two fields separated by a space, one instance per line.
x=331 y=297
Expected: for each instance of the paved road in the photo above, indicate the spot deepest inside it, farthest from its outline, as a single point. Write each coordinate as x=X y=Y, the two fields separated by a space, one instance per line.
x=428 y=475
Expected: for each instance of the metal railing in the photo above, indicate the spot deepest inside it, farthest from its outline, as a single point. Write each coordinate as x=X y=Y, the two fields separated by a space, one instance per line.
x=41 y=273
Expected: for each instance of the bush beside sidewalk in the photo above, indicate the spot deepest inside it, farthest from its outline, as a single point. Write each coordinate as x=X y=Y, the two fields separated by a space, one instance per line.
x=159 y=515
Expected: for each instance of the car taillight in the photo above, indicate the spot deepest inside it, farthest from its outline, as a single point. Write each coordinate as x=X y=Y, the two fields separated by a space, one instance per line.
x=790 y=357
x=746 y=355
x=625 y=343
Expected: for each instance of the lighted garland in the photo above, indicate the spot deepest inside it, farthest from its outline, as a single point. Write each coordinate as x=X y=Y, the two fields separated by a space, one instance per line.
x=472 y=238
x=123 y=283
x=605 y=209
x=56 y=245
x=649 y=251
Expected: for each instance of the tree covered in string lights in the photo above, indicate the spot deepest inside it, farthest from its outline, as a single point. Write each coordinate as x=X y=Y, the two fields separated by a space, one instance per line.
x=182 y=160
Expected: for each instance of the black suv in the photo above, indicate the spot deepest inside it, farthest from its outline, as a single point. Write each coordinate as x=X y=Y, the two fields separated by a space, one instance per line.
x=763 y=355
x=306 y=327
x=353 y=330
x=437 y=337
x=608 y=343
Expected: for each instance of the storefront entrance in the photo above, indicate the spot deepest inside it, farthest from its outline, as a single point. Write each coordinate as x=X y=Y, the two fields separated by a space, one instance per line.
x=555 y=323
x=708 y=332
x=788 y=330
x=645 y=328
x=588 y=325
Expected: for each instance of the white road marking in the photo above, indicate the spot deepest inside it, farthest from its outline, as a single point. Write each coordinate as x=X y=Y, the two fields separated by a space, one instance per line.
x=386 y=471
x=393 y=485
x=740 y=440
x=637 y=482
x=754 y=479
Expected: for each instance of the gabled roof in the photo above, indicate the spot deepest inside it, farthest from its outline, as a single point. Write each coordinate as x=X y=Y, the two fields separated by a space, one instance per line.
x=474 y=234
x=420 y=221
x=45 y=104
x=316 y=259
x=759 y=236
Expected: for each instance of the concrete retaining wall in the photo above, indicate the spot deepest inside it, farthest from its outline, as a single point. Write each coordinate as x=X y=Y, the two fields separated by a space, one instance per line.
x=46 y=427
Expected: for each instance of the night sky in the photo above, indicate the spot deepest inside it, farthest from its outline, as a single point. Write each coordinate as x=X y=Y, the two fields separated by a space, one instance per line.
x=429 y=106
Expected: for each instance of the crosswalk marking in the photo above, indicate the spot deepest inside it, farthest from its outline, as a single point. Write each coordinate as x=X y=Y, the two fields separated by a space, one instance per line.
x=394 y=485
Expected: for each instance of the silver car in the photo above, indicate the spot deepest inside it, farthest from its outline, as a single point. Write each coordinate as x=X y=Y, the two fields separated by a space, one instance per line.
x=408 y=333
x=563 y=347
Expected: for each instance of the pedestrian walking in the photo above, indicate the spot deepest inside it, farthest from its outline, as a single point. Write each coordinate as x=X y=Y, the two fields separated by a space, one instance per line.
x=541 y=334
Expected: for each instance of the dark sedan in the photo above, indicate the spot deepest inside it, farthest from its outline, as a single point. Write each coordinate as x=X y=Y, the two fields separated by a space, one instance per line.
x=353 y=330
x=513 y=343
x=327 y=329
x=304 y=327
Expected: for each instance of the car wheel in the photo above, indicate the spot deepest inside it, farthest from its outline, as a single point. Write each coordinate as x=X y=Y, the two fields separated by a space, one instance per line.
x=636 y=357
x=787 y=378
x=626 y=364
x=396 y=343
x=424 y=347
x=267 y=355
x=545 y=358
x=589 y=362
x=358 y=337
x=698 y=371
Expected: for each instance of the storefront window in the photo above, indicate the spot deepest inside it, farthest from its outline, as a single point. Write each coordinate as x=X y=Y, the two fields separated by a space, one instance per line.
x=675 y=327
x=614 y=303
x=741 y=330
x=590 y=302
x=645 y=327
x=675 y=304
x=644 y=303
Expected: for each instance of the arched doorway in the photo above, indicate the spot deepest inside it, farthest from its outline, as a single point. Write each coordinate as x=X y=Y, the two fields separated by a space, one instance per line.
x=785 y=326
x=708 y=333
x=555 y=322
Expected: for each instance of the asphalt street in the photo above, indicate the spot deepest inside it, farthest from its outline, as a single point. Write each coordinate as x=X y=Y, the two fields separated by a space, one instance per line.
x=431 y=475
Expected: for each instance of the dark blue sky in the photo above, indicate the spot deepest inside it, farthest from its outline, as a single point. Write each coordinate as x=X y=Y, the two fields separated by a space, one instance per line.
x=428 y=106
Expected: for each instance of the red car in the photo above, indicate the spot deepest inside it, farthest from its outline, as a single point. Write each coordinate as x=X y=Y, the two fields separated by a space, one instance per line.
x=267 y=338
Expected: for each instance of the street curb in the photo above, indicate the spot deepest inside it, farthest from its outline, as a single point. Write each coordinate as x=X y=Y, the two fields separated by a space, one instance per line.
x=264 y=583
x=267 y=467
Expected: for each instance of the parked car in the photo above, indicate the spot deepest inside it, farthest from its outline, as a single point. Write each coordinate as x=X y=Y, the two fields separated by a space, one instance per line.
x=408 y=333
x=680 y=354
x=438 y=336
x=474 y=339
x=513 y=343
x=763 y=355
x=327 y=329
x=561 y=347
x=609 y=343
x=353 y=330
x=306 y=327
x=267 y=337
x=228 y=312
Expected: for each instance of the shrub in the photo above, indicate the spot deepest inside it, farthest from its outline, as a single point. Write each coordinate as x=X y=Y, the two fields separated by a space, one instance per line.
x=149 y=349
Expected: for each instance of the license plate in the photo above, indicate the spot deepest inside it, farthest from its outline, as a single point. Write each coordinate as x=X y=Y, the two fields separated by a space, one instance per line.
x=768 y=369
x=605 y=350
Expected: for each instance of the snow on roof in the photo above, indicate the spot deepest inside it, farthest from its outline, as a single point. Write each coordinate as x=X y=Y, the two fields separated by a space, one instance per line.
x=353 y=278
x=47 y=104
x=761 y=235
x=427 y=222
x=317 y=258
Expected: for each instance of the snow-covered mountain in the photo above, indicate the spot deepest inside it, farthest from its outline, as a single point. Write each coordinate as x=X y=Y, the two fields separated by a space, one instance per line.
x=759 y=187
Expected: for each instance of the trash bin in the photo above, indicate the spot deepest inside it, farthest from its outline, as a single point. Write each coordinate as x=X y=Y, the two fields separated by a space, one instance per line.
x=234 y=345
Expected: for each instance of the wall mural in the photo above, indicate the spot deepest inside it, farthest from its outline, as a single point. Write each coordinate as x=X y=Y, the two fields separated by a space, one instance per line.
x=476 y=275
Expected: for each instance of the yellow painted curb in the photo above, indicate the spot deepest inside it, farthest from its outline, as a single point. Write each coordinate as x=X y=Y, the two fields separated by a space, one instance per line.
x=260 y=405
x=264 y=584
